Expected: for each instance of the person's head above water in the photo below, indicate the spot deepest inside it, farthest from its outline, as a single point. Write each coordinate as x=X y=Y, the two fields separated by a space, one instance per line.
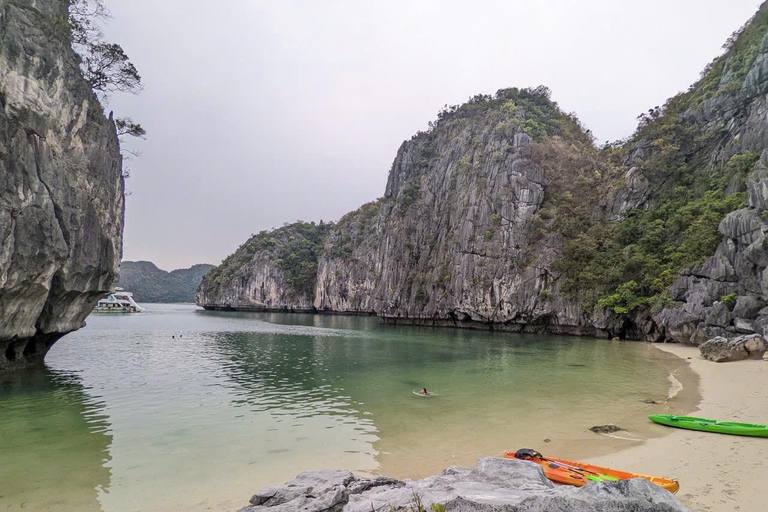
x=423 y=391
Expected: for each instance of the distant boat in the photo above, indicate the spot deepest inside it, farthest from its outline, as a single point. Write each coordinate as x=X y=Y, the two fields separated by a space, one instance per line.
x=118 y=301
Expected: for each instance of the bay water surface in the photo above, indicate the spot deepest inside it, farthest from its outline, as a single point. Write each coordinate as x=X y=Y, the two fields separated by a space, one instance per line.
x=178 y=408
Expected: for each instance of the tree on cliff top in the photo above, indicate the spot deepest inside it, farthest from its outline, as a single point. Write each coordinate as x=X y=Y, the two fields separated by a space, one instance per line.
x=105 y=65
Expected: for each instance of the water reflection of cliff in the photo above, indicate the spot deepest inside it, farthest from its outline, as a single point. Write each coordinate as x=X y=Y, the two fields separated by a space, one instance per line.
x=296 y=373
x=55 y=443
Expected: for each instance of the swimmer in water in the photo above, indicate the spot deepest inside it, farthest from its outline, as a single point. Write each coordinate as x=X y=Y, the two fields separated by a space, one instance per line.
x=423 y=391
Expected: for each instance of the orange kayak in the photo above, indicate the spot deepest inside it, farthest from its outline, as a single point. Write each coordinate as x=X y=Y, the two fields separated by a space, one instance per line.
x=577 y=473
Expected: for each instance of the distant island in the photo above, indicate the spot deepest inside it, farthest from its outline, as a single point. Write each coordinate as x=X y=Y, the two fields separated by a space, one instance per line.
x=148 y=283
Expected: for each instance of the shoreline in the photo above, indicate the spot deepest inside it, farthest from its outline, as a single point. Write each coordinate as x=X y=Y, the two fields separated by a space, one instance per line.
x=716 y=472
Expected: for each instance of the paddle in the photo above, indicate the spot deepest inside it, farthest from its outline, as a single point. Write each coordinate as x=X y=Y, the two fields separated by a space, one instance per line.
x=526 y=453
x=598 y=477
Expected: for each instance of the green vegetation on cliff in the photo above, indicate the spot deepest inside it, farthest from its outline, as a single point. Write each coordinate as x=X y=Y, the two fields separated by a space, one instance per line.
x=631 y=264
x=528 y=110
x=293 y=248
x=352 y=229
x=725 y=74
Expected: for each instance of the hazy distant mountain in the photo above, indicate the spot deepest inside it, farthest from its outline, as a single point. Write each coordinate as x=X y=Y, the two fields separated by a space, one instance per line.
x=151 y=284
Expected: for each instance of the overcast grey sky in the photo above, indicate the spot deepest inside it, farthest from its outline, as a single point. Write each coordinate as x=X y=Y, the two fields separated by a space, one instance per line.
x=261 y=112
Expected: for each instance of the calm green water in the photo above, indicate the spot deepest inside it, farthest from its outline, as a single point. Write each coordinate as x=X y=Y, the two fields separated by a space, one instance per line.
x=128 y=418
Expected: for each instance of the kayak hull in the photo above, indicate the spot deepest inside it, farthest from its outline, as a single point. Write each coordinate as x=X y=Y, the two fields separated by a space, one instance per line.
x=578 y=473
x=706 y=425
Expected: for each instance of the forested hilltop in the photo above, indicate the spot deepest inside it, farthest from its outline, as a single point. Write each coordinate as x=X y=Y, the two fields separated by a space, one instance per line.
x=506 y=215
x=151 y=284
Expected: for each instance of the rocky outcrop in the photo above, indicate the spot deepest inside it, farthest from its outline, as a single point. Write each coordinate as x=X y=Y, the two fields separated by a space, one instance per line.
x=272 y=271
x=452 y=238
x=501 y=485
x=61 y=185
x=722 y=350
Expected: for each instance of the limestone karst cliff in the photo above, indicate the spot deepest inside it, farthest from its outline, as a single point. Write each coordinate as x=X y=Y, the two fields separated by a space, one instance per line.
x=61 y=185
x=505 y=215
x=271 y=271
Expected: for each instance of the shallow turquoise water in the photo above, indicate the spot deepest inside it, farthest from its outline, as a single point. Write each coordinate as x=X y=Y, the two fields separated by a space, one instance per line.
x=129 y=418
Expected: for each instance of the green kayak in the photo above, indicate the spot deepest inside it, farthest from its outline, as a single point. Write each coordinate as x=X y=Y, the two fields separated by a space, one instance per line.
x=720 y=427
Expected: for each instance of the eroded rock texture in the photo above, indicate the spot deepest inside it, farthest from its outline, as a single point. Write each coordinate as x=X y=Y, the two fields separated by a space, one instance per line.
x=61 y=185
x=501 y=485
x=722 y=350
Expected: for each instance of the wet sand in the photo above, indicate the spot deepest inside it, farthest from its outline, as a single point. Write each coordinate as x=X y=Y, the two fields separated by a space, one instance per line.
x=716 y=472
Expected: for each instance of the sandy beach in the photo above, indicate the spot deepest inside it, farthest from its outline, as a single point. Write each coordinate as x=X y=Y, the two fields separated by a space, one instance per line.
x=716 y=472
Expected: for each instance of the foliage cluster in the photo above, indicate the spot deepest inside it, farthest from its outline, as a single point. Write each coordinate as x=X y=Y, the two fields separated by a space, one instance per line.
x=631 y=264
x=105 y=65
x=417 y=505
x=729 y=300
x=531 y=108
x=352 y=229
x=726 y=73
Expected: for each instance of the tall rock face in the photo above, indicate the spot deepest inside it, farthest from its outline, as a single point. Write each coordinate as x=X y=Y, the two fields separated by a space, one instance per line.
x=61 y=185
x=459 y=236
x=504 y=215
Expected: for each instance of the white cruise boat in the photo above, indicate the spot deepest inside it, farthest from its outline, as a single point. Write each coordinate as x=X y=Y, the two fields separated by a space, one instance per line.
x=118 y=301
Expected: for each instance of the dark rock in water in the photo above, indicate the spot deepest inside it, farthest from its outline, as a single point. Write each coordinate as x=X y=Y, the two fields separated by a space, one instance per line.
x=606 y=429
x=61 y=185
x=499 y=485
x=721 y=350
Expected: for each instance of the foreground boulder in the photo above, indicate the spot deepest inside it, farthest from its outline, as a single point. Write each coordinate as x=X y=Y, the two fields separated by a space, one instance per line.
x=499 y=485
x=722 y=350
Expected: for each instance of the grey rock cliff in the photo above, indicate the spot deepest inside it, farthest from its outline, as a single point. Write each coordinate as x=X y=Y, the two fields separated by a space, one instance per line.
x=456 y=239
x=453 y=240
x=61 y=185
x=500 y=485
